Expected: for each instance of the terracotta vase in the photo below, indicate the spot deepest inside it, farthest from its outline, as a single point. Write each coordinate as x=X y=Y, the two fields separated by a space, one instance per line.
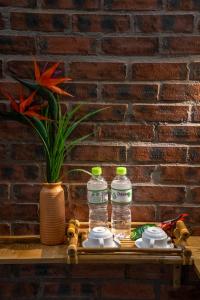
x=52 y=214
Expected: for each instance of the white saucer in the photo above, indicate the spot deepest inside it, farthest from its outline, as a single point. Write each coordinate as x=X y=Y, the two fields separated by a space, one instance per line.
x=88 y=244
x=139 y=244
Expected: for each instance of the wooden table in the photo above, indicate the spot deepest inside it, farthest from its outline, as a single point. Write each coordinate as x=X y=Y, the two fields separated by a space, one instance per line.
x=29 y=250
x=193 y=244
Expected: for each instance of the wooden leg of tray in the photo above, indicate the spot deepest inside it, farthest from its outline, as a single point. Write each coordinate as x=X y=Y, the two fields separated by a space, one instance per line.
x=176 y=276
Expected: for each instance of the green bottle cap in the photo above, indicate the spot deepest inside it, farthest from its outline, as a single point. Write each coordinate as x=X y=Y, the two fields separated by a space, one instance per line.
x=121 y=171
x=96 y=171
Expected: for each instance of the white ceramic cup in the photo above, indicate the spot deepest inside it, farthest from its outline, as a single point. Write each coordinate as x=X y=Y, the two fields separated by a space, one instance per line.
x=155 y=237
x=100 y=237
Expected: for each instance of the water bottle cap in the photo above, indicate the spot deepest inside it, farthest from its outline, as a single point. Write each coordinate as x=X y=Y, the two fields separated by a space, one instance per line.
x=121 y=171
x=96 y=171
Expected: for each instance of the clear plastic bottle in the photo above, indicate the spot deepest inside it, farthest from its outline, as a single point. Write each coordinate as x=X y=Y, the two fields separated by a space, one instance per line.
x=97 y=195
x=121 y=198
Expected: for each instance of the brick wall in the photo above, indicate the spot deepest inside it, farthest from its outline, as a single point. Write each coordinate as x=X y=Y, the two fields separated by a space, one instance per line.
x=140 y=59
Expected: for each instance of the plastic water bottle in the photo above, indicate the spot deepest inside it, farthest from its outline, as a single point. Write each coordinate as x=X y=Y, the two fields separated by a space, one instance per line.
x=97 y=195
x=121 y=198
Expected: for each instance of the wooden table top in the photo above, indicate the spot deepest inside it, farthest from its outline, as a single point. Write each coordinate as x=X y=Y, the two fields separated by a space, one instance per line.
x=27 y=249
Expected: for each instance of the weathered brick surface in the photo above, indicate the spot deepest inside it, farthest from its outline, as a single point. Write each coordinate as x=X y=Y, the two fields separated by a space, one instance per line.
x=185 y=5
x=67 y=45
x=39 y=22
x=147 y=154
x=101 y=23
x=158 y=71
x=132 y=5
x=71 y=4
x=19 y=3
x=97 y=71
x=164 y=23
x=146 y=46
x=17 y=44
x=160 y=113
x=131 y=92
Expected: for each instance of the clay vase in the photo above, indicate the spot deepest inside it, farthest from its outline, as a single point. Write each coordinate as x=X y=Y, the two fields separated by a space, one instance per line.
x=52 y=214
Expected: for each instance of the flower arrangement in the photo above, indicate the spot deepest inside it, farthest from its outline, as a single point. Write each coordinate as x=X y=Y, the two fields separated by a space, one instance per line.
x=42 y=111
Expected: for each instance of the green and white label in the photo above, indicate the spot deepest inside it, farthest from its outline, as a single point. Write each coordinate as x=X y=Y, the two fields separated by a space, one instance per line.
x=121 y=196
x=97 y=197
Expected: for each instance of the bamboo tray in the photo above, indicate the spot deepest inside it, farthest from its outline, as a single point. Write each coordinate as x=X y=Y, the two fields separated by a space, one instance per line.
x=127 y=253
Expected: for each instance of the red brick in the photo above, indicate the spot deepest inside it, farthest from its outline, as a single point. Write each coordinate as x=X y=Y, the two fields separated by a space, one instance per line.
x=132 y=92
x=101 y=23
x=126 y=290
x=183 y=5
x=196 y=113
x=91 y=271
x=44 y=270
x=164 y=23
x=157 y=154
x=3 y=151
x=72 y=4
x=81 y=91
x=25 y=228
x=25 y=69
x=135 y=173
x=39 y=21
x=17 y=44
x=67 y=45
x=2 y=24
x=169 y=212
x=180 y=92
x=28 y=193
x=9 y=289
x=19 y=3
x=194 y=71
x=27 y=152
x=194 y=195
x=17 y=173
x=149 y=271
x=14 y=212
x=139 y=174
x=160 y=113
x=4 y=190
x=178 y=175
x=133 y=132
x=158 y=194
x=138 y=46
x=12 y=87
x=99 y=153
x=183 y=45
x=179 y=133
x=112 y=112
x=132 y=5
x=1 y=74
x=5 y=229
x=97 y=71
x=83 y=130
x=143 y=213
x=194 y=155
x=159 y=71
x=14 y=131
x=64 y=288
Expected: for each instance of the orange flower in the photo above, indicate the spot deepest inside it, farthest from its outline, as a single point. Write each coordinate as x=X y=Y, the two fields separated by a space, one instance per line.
x=48 y=81
x=25 y=107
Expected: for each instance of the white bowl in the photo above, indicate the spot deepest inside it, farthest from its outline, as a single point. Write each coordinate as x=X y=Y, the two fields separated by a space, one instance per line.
x=101 y=237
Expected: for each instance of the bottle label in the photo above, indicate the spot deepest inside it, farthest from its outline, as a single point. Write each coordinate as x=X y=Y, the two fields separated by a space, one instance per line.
x=97 y=196
x=121 y=196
